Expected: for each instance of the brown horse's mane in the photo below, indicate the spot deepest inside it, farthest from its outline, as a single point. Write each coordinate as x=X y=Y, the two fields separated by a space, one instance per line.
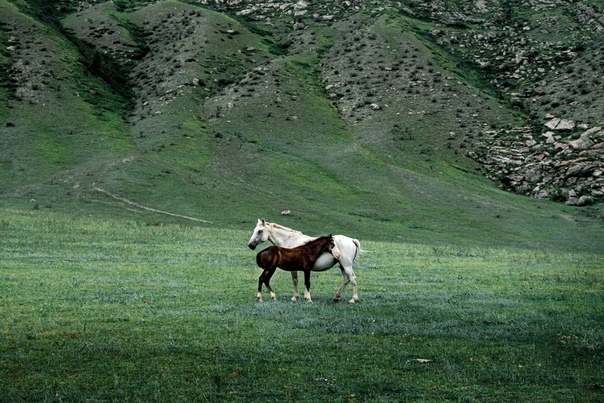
x=316 y=240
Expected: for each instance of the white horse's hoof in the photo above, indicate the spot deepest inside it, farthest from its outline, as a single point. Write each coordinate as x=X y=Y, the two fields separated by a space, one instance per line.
x=294 y=299
x=352 y=301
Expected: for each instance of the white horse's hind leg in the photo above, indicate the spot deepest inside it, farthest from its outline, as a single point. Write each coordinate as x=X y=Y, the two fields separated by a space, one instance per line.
x=295 y=283
x=349 y=277
x=355 y=295
x=341 y=289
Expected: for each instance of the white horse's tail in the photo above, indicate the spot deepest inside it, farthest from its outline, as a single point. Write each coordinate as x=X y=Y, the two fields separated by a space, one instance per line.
x=358 y=245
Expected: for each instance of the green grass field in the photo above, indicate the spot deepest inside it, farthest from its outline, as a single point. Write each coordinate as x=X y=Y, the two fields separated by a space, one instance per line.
x=108 y=310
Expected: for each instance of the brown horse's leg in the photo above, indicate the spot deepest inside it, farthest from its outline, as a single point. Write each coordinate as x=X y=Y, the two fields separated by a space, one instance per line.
x=265 y=278
x=295 y=283
x=260 y=281
x=307 y=285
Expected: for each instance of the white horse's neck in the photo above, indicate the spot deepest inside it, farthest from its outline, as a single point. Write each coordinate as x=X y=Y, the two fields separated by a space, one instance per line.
x=286 y=237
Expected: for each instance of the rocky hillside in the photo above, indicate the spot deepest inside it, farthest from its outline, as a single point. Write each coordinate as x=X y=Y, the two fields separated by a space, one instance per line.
x=511 y=88
x=544 y=58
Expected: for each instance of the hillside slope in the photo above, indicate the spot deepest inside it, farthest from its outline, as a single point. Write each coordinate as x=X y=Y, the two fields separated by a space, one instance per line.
x=350 y=116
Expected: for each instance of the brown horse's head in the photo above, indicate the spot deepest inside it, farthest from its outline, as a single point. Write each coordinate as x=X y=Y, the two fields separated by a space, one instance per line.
x=332 y=247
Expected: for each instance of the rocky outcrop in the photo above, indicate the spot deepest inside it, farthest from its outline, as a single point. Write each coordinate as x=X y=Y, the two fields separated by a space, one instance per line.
x=560 y=164
x=327 y=11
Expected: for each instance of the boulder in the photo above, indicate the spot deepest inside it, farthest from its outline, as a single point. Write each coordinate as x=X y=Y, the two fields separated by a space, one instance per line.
x=585 y=201
x=542 y=194
x=552 y=123
x=576 y=168
x=581 y=143
x=548 y=137
x=595 y=131
x=565 y=125
x=560 y=124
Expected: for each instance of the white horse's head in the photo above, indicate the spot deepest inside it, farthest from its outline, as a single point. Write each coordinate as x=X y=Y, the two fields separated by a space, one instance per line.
x=260 y=234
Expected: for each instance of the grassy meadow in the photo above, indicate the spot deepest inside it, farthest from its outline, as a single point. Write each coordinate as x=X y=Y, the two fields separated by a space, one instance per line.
x=108 y=310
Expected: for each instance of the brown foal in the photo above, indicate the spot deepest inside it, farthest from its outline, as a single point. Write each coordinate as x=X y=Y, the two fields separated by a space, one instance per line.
x=301 y=258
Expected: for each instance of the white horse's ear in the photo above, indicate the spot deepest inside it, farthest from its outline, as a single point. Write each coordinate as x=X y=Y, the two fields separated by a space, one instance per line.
x=261 y=221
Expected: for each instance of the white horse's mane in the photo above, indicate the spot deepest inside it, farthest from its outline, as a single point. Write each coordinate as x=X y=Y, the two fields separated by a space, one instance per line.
x=285 y=228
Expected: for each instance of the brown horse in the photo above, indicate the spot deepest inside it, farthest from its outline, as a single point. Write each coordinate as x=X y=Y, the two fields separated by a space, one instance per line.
x=293 y=259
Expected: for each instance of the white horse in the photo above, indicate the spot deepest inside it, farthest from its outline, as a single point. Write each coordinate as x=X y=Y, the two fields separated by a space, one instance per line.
x=288 y=238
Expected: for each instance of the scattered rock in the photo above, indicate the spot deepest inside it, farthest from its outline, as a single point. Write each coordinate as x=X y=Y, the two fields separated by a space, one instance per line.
x=558 y=168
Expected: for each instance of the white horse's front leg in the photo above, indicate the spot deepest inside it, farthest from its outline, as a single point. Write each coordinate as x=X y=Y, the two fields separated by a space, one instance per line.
x=295 y=283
